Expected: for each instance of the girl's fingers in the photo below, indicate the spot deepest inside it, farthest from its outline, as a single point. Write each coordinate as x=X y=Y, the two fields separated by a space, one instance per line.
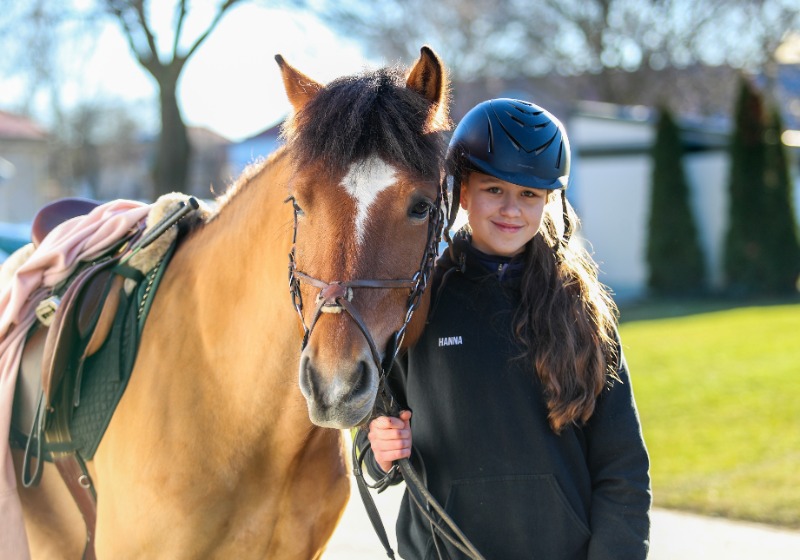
x=390 y=439
x=390 y=444
x=387 y=422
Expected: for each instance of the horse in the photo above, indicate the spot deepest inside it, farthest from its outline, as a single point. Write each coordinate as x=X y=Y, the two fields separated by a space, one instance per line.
x=212 y=452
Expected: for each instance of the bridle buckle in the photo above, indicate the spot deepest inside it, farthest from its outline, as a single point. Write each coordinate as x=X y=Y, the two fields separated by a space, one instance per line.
x=328 y=298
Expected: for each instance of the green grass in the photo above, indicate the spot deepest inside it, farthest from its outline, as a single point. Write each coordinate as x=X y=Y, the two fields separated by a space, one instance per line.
x=718 y=391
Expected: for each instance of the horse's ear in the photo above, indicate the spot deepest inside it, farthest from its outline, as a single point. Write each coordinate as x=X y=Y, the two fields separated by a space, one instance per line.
x=428 y=78
x=300 y=89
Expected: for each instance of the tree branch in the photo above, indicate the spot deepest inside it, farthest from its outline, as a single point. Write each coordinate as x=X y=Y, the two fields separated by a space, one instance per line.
x=222 y=9
x=179 y=27
x=138 y=5
x=125 y=10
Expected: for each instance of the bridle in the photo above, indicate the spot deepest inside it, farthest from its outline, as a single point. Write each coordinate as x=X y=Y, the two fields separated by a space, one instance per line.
x=336 y=296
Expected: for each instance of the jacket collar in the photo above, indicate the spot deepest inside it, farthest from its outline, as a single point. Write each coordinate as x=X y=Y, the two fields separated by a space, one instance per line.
x=475 y=263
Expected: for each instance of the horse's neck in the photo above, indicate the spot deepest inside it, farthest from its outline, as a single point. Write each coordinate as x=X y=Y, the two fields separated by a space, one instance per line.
x=226 y=291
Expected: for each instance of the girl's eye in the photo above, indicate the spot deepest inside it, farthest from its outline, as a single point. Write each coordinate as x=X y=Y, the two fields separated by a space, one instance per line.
x=493 y=190
x=420 y=209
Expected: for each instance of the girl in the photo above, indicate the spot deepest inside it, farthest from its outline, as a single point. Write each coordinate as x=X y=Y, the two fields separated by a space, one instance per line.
x=524 y=423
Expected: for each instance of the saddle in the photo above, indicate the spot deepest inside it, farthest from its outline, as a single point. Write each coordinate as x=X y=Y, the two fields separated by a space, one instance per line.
x=57 y=212
x=91 y=324
x=73 y=326
x=89 y=301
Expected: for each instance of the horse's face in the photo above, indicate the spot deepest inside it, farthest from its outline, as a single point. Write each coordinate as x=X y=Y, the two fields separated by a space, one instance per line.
x=369 y=224
x=368 y=220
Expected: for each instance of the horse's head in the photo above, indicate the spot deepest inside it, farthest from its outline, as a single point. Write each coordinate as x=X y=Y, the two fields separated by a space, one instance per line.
x=368 y=154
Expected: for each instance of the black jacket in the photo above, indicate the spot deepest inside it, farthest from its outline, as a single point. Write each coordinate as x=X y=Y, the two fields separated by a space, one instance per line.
x=516 y=489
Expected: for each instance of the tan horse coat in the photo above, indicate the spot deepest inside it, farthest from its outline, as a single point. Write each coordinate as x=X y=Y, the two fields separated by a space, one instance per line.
x=225 y=454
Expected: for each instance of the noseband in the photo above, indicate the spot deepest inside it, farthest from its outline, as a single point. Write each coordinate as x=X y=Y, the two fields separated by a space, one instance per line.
x=337 y=295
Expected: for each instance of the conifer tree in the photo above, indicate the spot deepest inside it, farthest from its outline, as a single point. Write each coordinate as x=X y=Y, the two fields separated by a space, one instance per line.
x=762 y=253
x=675 y=259
x=745 y=256
x=781 y=243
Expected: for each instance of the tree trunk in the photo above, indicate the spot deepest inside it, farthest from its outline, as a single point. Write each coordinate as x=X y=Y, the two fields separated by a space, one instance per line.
x=173 y=157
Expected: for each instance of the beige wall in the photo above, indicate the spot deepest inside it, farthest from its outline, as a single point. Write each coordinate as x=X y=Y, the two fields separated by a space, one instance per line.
x=28 y=188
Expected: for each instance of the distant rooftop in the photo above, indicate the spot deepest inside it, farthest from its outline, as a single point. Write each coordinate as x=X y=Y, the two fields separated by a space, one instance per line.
x=19 y=127
x=202 y=136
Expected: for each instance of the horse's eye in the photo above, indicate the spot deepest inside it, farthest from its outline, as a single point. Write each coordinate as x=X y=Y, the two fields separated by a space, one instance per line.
x=420 y=209
x=297 y=210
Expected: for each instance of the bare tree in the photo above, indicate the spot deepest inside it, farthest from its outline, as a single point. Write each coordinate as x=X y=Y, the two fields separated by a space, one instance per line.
x=603 y=46
x=33 y=33
x=173 y=153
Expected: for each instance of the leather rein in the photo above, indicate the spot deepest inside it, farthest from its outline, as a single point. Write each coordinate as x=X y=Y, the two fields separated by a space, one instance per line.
x=336 y=296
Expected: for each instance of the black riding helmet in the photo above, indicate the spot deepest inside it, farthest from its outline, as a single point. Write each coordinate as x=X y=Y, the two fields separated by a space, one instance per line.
x=512 y=140
x=515 y=141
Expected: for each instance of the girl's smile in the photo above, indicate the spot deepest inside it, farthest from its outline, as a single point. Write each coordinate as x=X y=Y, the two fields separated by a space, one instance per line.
x=503 y=216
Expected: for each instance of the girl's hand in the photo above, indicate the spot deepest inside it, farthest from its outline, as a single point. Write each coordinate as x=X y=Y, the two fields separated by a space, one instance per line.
x=390 y=439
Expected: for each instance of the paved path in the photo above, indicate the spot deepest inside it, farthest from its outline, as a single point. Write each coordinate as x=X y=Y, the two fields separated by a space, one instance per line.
x=675 y=536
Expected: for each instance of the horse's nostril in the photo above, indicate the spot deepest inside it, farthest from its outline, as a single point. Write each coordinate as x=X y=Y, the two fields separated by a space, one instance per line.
x=308 y=379
x=361 y=381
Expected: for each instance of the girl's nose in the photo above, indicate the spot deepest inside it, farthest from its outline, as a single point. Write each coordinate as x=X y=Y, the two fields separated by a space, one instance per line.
x=509 y=206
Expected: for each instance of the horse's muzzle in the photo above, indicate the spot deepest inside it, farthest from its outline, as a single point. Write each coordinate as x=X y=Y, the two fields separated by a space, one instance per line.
x=338 y=399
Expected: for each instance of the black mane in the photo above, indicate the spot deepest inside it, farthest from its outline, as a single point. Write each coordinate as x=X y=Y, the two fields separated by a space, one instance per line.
x=367 y=114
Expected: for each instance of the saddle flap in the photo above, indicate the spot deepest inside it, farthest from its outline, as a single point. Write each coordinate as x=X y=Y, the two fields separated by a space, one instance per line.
x=105 y=319
x=91 y=299
x=29 y=382
x=64 y=339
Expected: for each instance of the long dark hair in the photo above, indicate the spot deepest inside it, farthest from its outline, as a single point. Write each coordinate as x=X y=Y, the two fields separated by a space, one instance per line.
x=566 y=323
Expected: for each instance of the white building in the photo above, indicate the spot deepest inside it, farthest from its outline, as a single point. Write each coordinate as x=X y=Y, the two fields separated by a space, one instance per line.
x=610 y=189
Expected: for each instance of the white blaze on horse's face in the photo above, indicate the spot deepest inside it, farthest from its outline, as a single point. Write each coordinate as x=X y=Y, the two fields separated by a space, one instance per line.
x=364 y=181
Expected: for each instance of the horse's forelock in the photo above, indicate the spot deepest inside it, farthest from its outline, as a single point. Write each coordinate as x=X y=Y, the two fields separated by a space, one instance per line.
x=368 y=114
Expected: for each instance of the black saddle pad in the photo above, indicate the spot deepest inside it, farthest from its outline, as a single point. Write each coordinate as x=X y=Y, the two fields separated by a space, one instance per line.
x=105 y=377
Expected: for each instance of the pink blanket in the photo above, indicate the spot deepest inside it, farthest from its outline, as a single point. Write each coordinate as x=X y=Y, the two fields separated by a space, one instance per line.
x=79 y=239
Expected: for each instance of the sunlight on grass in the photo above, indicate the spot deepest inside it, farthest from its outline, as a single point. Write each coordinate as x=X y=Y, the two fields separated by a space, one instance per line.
x=719 y=397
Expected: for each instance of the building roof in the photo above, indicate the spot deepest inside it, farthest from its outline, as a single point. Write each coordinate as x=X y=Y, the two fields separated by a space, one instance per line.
x=201 y=136
x=269 y=133
x=18 y=127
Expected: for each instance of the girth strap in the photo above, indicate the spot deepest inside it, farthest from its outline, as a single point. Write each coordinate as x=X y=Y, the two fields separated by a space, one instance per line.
x=76 y=477
x=65 y=458
x=73 y=471
x=70 y=465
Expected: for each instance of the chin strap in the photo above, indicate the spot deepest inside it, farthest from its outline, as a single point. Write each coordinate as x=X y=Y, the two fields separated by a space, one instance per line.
x=567 y=222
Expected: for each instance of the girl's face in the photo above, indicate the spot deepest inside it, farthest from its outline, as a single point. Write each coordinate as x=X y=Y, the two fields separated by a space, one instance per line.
x=503 y=216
